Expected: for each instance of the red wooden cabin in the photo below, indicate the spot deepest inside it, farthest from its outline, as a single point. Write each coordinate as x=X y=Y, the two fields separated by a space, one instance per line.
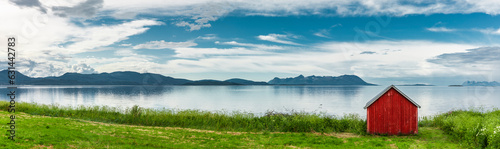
x=392 y=112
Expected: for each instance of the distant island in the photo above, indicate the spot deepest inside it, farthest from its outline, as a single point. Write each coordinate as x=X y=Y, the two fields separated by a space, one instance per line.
x=320 y=80
x=480 y=83
x=210 y=82
x=135 y=78
x=418 y=84
x=234 y=81
x=245 y=82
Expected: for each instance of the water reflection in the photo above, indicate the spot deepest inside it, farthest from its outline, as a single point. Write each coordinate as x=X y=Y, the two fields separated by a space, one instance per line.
x=120 y=90
x=346 y=91
x=257 y=99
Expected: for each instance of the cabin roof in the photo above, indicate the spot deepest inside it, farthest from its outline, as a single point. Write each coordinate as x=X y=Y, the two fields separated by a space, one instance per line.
x=384 y=91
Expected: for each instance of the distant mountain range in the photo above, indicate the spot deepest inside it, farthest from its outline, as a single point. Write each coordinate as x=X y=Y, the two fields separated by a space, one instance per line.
x=234 y=81
x=245 y=82
x=115 y=78
x=480 y=83
x=135 y=78
x=418 y=84
x=320 y=80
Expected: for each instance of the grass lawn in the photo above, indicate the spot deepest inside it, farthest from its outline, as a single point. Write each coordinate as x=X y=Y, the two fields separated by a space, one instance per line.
x=34 y=131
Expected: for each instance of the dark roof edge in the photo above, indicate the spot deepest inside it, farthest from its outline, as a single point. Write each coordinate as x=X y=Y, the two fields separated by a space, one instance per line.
x=384 y=91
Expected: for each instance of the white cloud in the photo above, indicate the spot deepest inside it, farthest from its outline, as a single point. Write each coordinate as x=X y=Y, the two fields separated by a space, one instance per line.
x=51 y=41
x=41 y=68
x=58 y=3
x=140 y=63
x=86 y=9
x=201 y=12
x=164 y=45
x=204 y=52
x=298 y=7
x=256 y=46
x=278 y=38
x=92 y=37
x=483 y=55
x=126 y=45
x=325 y=33
x=387 y=59
x=193 y=26
x=198 y=14
x=322 y=33
x=125 y=52
x=489 y=31
x=130 y=60
x=30 y=3
x=82 y=68
x=440 y=29
x=127 y=59
x=253 y=64
x=478 y=61
x=44 y=68
x=394 y=58
x=207 y=37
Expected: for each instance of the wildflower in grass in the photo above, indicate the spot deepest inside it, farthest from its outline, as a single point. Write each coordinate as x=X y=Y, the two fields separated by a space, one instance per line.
x=497 y=130
x=481 y=132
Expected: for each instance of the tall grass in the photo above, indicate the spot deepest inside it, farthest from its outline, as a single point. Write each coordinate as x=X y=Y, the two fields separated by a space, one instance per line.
x=473 y=127
x=235 y=121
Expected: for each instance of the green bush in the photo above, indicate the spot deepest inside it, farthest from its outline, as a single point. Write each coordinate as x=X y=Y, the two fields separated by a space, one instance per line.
x=472 y=127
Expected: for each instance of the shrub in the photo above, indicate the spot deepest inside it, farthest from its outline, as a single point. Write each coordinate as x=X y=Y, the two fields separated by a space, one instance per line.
x=472 y=127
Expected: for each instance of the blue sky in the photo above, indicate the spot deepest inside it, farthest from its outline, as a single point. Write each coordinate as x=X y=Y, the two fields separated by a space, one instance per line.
x=382 y=41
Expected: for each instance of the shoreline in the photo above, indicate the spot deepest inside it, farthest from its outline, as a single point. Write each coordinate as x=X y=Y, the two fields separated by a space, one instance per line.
x=290 y=125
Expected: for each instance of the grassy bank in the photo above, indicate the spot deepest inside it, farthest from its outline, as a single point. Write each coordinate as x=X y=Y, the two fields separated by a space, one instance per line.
x=35 y=131
x=229 y=121
x=472 y=127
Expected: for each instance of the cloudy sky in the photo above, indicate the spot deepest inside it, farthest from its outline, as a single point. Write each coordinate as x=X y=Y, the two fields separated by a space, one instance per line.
x=383 y=41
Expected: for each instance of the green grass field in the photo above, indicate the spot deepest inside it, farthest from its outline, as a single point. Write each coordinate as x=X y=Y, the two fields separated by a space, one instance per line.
x=34 y=131
x=229 y=121
x=41 y=126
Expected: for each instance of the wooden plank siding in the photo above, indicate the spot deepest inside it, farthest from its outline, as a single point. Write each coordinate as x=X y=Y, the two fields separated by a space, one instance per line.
x=392 y=114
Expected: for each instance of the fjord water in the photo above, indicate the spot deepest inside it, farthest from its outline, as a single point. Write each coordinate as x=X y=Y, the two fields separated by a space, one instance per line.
x=338 y=100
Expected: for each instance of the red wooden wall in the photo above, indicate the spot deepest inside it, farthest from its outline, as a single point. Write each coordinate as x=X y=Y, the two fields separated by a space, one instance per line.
x=392 y=114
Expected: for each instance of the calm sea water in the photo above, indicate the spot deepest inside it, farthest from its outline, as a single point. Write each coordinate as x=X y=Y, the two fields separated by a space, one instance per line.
x=337 y=100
